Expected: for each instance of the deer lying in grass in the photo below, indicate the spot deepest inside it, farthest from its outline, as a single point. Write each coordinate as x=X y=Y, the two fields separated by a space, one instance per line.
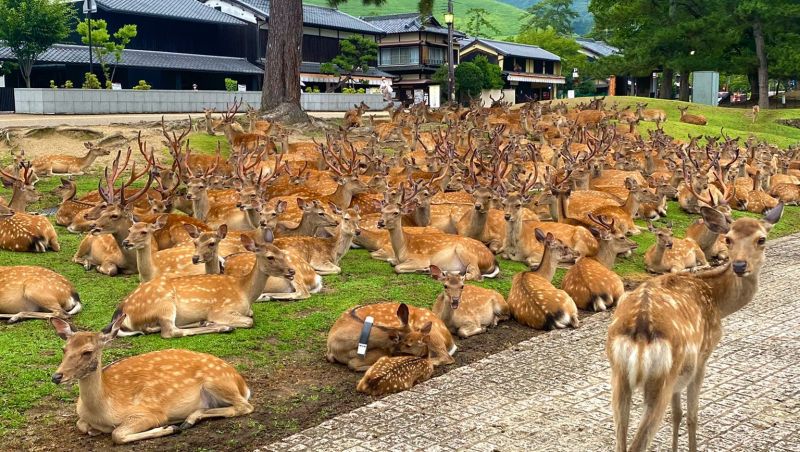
x=664 y=331
x=50 y=165
x=207 y=112
x=353 y=117
x=391 y=374
x=483 y=223
x=533 y=299
x=396 y=328
x=141 y=397
x=24 y=193
x=314 y=218
x=71 y=210
x=698 y=120
x=591 y=282
x=655 y=115
x=671 y=255
x=28 y=292
x=467 y=310
x=218 y=303
x=25 y=232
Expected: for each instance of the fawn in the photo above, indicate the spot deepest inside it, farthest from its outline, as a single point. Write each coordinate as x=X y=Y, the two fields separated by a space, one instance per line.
x=392 y=374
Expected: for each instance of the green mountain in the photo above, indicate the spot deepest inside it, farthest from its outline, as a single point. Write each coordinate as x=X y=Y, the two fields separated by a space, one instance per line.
x=582 y=25
x=507 y=18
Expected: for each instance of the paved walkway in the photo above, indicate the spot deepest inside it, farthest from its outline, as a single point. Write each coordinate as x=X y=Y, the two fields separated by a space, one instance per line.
x=552 y=392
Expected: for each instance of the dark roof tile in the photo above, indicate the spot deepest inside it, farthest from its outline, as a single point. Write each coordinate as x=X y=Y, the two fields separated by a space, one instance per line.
x=512 y=48
x=190 y=10
x=318 y=16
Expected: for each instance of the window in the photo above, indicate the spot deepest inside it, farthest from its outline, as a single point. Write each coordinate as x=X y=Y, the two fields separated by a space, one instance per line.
x=436 y=56
x=549 y=67
x=399 y=56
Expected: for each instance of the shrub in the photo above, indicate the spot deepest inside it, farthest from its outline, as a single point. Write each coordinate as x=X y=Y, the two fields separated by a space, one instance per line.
x=53 y=84
x=142 y=86
x=316 y=90
x=308 y=89
x=362 y=91
x=109 y=84
x=68 y=84
x=231 y=84
x=91 y=81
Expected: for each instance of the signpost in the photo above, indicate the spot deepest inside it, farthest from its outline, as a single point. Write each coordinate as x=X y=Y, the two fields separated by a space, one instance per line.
x=89 y=7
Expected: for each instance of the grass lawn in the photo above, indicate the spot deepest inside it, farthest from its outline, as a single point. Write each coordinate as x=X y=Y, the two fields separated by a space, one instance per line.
x=283 y=331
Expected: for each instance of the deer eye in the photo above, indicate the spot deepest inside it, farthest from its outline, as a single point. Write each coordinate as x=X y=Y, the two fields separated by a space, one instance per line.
x=272 y=258
x=729 y=240
x=114 y=217
x=762 y=240
x=86 y=354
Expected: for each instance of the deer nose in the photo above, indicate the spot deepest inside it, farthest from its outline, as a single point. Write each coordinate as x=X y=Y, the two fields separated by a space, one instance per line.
x=381 y=224
x=739 y=267
x=126 y=244
x=507 y=216
x=57 y=377
x=478 y=207
x=195 y=259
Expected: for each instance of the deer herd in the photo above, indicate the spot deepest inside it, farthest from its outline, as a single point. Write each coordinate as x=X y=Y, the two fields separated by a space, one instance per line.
x=460 y=187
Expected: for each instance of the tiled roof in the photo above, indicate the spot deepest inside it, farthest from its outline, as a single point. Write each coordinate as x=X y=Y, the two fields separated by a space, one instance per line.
x=408 y=23
x=317 y=16
x=314 y=68
x=190 y=10
x=512 y=49
x=599 y=48
x=76 y=54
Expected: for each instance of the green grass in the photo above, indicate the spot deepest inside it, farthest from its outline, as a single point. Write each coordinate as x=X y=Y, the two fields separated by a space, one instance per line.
x=283 y=331
x=507 y=18
x=737 y=122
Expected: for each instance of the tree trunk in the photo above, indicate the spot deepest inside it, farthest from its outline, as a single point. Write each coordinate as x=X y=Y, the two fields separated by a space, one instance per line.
x=763 y=75
x=684 y=88
x=753 y=79
x=280 y=97
x=25 y=67
x=666 y=84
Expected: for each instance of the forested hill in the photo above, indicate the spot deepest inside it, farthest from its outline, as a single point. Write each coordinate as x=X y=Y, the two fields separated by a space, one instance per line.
x=582 y=25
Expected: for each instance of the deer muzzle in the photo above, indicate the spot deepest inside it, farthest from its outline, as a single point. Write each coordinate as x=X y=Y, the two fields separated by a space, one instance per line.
x=290 y=274
x=57 y=378
x=381 y=224
x=739 y=267
x=127 y=244
x=195 y=259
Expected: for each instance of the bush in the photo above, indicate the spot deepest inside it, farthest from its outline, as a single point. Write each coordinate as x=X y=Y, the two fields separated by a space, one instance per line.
x=308 y=89
x=68 y=84
x=142 y=86
x=91 y=81
x=109 y=84
x=231 y=84
x=316 y=90
x=53 y=84
x=362 y=91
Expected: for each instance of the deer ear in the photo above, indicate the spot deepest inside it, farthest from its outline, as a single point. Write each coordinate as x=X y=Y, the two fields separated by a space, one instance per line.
x=248 y=243
x=110 y=332
x=402 y=314
x=540 y=237
x=222 y=231
x=161 y=221
x=191 y=230
x=426 y=329
x=269 y=236
x=715 y=220
x=281 y=207
x=595 y=232
x=436 y=273
x=357 y=209
x=772 y=216
x=301 y=203
x=334 y=208
x=63 y=329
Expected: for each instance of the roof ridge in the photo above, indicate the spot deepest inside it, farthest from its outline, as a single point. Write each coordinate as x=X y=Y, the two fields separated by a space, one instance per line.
x=391 y=16
x=79 y=46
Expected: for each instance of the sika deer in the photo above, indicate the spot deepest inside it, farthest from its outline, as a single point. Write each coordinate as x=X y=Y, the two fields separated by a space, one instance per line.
x=671 y=255
x=70 y=209
x=591 y=282
x=353 y=117
x=23 y=183
x=25 y=232
x=314 y=218
x=388 y=335
x=467 y=310
x=28 y=292
x=654 y=115
x=139 y=397
x=698 y=120
x=533 y=299
x=664 y=331
x=50 y=165
x=391 y=374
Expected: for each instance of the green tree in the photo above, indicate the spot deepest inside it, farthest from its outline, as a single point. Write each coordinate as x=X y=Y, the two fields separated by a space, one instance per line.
x=469 y=80
x=478 y=23
x=491 y=73
x=357 y=53
x=29 y=27
x=553 y=13
x=107 y=47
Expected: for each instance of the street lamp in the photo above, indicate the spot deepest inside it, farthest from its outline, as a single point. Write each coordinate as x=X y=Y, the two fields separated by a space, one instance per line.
x=449 y=18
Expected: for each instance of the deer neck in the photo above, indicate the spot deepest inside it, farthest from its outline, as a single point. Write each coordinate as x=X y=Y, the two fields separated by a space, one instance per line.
x=729 y=293
x=253 y=283
x=285 y=145
x=213 y=266
x=306 y=226
x=422 y=215
x=631 y=204
x=605 y=254
x=399 y=240
x=707 y=238
x=341 y=245
x=447 y=312
x=146 y=263
x=87 y=160
x=675 y=180
x=70 y=195
x=252 y=217
x=658 y=253
x=200 y=206
x=17 y=202
x=342 y=197
x=120 y=234
x=93 y=391
x=562 y=208
x=477 y=223
x=513 y=235
x=649 y=163
x=548 y=264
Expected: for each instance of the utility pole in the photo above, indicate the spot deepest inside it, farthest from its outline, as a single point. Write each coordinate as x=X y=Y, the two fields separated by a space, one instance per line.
x=89 y=7
x=449 y=18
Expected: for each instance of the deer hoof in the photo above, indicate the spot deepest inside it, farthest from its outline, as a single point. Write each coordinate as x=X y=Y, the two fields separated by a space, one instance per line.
x=185 y=426
x=12 y=320
x=226 y=329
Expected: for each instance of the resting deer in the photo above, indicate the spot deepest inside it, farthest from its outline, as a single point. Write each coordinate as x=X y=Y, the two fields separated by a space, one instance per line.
x=671 y=255
x=353 y=117
x=654 y=115
x=314 y=218
x=395 y=325
x=207 y=112
x=71 y=210
x=467 y=310
x=533 y=299
x=50 y=165
x=591 y=282
x=28 y=292
x=664 y=331
x=483 y=223
x=219 y=303
x=25 y=232
x=143 y=396
x=236 y=136
x=698 y=120
x=24 y=192
x=391 y=374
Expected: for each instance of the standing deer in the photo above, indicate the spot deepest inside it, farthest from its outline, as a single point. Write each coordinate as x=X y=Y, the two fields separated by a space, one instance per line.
x=50 y=165
x=141 y=397
x=28 y=292
x=467 y=310
x=664 y=331
x=533 y=299
x=671 y=255
x=207 y=112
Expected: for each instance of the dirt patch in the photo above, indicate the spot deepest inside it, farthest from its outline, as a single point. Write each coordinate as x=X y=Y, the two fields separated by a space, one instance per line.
x=790 y=122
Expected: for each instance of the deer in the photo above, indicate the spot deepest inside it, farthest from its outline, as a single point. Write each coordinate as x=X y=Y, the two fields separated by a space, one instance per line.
x=314 y=218
x=23 y=185
x=145 y=396
x=467 y=310
x=207 y=112
x=391 y=374
x=417 y=252
x=353 y=117
x=671 y=255
x=533 y=300
x=756 y=110
x=50 y=165
x=220 y=303
x=663 y=333
x=654 y=115
x=698 y=120
x=28 y=292
x=396 y=327
x=591 y=282
x=71 y=210
x=236 y=136
x=23 y=232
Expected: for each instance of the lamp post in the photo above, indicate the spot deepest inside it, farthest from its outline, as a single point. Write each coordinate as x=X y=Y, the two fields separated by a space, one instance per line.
x=89 y=7
x=448 y=19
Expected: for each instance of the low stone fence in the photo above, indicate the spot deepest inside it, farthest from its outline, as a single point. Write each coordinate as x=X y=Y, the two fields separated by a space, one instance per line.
x=102 y=102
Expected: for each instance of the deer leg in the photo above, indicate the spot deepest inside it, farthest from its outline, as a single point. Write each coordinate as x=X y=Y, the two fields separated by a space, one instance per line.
x=411 y=266
x=139 y=428
x=677 y=414
x=327 y=268
x=14 y=318
x=692 y=405
x=170 y=330
x=360 y=364
x=621 y=404
x=657 y=393
x=86 y=428
x=229 y=320
x=239 y=407
x=471 y=330
x=108 y=268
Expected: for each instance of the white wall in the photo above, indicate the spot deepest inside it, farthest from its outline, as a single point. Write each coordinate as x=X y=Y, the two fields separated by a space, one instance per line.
x=511 y=96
